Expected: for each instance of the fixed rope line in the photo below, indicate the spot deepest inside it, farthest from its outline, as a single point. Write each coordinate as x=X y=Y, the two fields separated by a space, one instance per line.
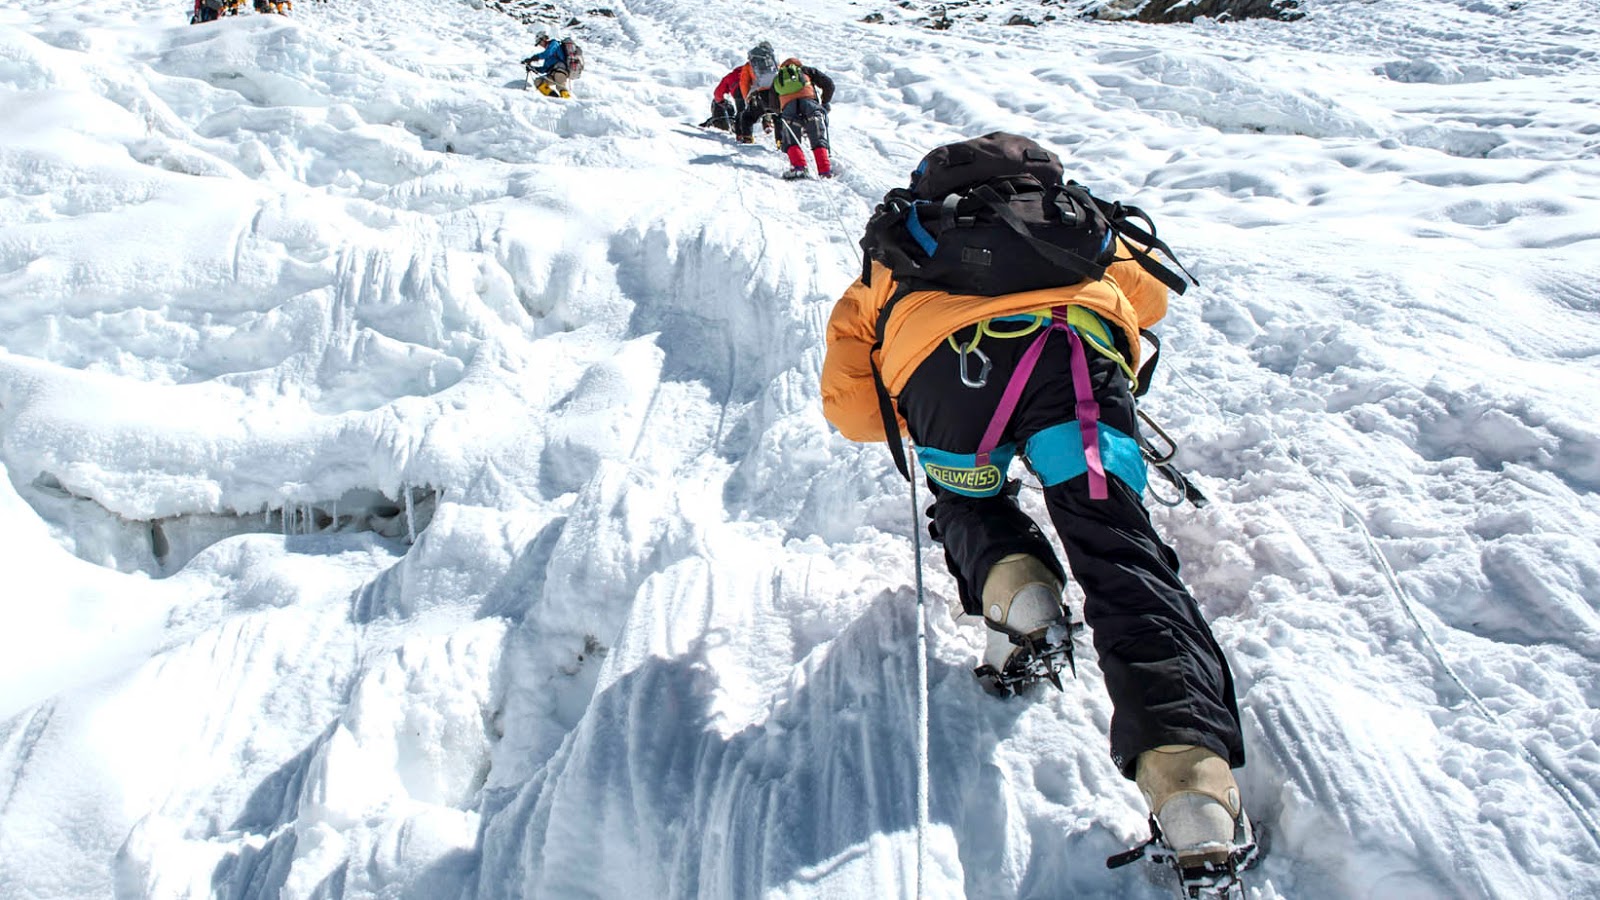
x=922 y=689
x=1430 y=647
x=837 y=216
x=1556 y=783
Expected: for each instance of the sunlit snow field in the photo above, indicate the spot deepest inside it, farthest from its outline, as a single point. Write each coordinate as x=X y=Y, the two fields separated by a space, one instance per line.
x=416 y=487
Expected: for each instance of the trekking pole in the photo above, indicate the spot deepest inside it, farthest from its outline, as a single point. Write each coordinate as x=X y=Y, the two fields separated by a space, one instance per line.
x=922 y=687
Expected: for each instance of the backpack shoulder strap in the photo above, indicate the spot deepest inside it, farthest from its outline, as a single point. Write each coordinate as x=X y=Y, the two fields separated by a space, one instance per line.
x=891 y=421
x=1148 y=370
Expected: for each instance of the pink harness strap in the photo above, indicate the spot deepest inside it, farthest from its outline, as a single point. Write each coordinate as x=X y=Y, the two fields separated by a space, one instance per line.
x=1088 y=409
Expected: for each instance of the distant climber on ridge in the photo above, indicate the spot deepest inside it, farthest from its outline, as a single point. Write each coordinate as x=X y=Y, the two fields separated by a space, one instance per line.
x=556 y=64
x=727 y=101
x=755 y=77
x=802 y=109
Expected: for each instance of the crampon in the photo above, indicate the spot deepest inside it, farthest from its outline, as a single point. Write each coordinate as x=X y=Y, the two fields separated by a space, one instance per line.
x=1039 y=659
x=1208 y=880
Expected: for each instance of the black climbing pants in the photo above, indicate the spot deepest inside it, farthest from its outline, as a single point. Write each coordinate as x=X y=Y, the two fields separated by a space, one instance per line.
x=803 y=116
x=1168 y=680
x=759 y=103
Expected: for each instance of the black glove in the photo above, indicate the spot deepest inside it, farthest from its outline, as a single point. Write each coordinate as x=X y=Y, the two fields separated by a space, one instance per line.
x=824 y=109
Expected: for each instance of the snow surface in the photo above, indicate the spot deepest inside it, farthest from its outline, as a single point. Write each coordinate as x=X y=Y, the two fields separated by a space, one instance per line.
x=417 y=488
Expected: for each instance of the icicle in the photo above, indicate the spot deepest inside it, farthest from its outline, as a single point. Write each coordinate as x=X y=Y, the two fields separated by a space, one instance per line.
x=411 y=517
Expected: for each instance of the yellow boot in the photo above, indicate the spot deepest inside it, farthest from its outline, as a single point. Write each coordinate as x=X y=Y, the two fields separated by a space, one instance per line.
x=545 y=89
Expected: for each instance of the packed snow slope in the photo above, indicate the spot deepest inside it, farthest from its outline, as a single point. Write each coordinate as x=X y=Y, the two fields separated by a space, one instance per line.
x=416 y=487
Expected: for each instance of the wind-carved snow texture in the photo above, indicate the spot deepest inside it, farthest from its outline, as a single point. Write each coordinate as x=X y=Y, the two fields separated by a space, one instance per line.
x=416 y=487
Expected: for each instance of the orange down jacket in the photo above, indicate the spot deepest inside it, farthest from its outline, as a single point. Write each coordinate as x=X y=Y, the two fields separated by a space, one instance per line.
x=1127 y=297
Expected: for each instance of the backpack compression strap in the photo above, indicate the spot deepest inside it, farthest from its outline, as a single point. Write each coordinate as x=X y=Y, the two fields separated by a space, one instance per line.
x=1087 y=269
x=1079 y=202
x=1118 y=215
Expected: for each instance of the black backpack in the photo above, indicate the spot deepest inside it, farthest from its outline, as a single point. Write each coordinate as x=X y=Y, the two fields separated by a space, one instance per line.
x=992 y=216
x=574 y=55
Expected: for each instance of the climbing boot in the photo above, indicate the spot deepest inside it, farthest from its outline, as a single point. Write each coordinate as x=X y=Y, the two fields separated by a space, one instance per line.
x=1194 y=800
x=1021 y=600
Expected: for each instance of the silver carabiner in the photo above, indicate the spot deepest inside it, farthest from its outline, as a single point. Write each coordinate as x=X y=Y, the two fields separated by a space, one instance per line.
x=1156 y=457
x=983 y=372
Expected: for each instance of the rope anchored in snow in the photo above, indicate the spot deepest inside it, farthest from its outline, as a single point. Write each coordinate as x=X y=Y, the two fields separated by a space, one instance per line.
x=1431 y=648
x=1555 y=782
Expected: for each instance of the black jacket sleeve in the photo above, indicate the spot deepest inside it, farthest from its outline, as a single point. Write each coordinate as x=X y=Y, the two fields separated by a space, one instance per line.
x=822 y=82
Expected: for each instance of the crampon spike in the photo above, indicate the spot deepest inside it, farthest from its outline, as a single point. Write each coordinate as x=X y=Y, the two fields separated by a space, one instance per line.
x=1040 y=659
x=1207 y=881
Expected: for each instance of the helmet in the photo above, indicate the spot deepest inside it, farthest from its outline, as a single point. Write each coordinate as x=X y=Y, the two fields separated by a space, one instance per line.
x=543 y=37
